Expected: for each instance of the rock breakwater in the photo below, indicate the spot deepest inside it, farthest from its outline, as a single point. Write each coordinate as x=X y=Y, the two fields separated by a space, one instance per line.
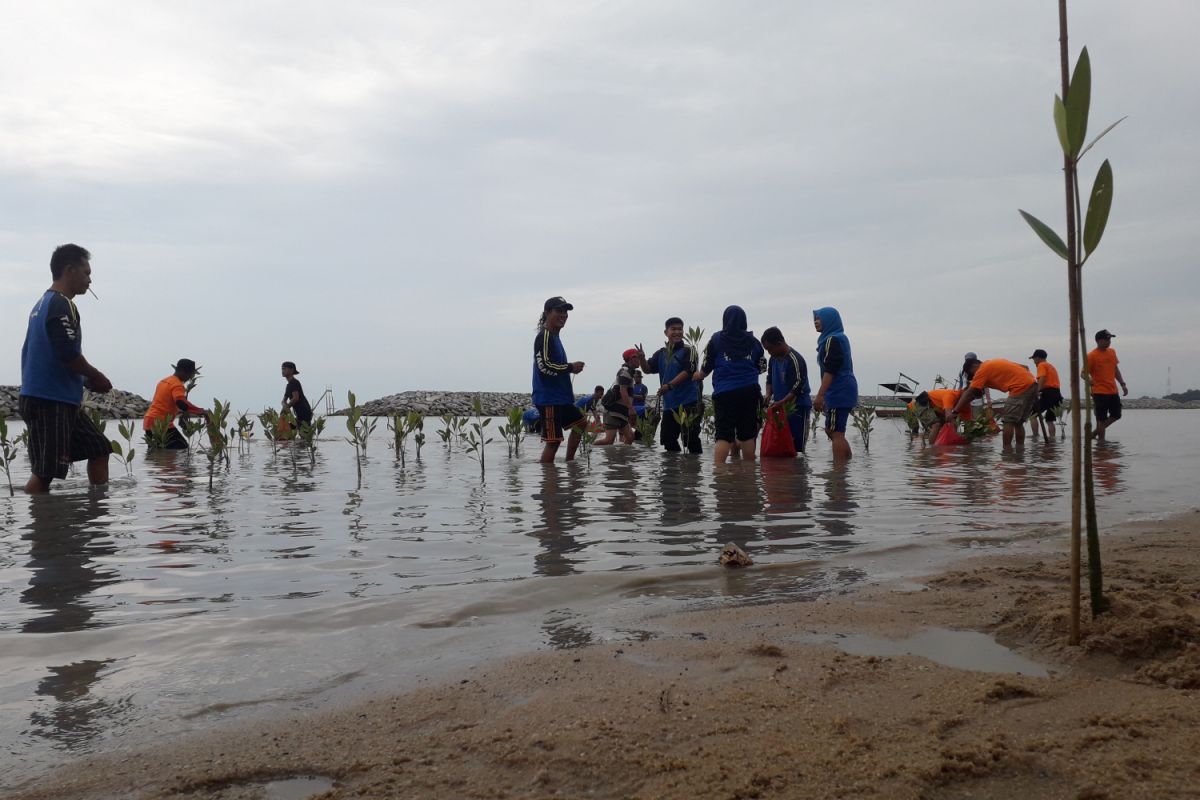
x=114 y=405
x=430 y=403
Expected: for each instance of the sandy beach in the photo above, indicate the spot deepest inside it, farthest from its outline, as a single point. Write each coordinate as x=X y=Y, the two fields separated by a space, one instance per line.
x=757 y=702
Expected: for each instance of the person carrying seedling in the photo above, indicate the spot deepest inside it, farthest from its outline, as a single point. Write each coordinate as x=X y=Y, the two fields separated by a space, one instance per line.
x=1049 y=395
x=170 y=400
x=838 y=393
x=735 y=359
x=788 y=383
x=589 y=405
x=619 y=414
x=677 y=366
x=54 y=374
x=1006 y=376
x=293 y=395
x=1102 y=365
x=552 y=391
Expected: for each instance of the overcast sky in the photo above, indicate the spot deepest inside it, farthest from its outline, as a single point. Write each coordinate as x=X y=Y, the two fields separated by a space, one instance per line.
x=386 y=193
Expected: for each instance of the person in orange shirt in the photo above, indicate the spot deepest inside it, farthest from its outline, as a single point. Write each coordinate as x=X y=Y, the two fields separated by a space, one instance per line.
x=1007 y=376
x=1102 y=366
x=170 y=399
x=933 y=409
x=1049 y=394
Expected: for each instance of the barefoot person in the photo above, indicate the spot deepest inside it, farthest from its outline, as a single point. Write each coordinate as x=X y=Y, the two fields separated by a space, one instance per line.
x=677 y=366
x=1102 y=365
x=552 y=392
x=1005 y=376
x=1049 y=394
x=619 y=413
x=170 y=400
x=293 y=394
x=735 y=359
x=54 y=374
x=838 y=393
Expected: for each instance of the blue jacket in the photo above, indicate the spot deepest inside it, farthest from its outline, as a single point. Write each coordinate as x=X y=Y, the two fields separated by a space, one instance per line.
x=683 y=358
x=44 y=372
x=833 y=356
x=733 y=356
x=551 y=371
x=789 y=373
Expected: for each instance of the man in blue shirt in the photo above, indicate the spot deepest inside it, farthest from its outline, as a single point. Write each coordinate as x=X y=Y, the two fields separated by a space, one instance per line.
x=590 y=404
x=54 y=374
x=788 y=383
x=552 y=391
x=677 y=366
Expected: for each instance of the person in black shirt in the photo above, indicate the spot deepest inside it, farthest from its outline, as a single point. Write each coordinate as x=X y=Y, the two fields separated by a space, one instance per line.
x=293 y=395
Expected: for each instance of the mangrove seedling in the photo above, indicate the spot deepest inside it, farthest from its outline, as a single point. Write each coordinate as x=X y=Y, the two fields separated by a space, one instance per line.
x=912 y=420
x=398 y=424
x=308 y=433
x=513 y=432
x=8 y=451
x=218 y=439
x=190 y=428
x=245 y=429
x=269 y=419
x=446 y=432
x=416 y=423
x=476 y=437
x=125 y=452
x=96 y=419
x=360 y=429
x=157 y=435
x=863 y=419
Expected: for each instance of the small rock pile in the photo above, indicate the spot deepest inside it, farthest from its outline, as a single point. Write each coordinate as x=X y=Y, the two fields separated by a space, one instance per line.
x=114 y=405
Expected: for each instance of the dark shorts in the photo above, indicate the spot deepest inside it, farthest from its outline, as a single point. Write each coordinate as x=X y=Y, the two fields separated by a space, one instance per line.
x=798 y=424
x=736 y=414
x=616 y=418
x=836 y=419
x=556 y=419
x=1108 y=406
x=1049 y=400
x=59 y=434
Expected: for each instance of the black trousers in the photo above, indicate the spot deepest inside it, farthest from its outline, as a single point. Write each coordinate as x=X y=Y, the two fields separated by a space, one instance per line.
x=175 y=440
x=670 y=432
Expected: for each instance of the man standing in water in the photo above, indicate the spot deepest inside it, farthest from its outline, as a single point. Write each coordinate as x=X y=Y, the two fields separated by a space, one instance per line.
x=1005 y=376
x=552 y=392
x=677 y=366
x=54 y=374
x=170 y=400
x=1102 y=365
x=293 y=394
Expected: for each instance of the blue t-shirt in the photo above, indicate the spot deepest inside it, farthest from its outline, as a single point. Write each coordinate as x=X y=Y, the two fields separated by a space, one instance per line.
x=551 y=371
x=682 y=358
x=789 y=375
x=53 y=339
x=734 y=365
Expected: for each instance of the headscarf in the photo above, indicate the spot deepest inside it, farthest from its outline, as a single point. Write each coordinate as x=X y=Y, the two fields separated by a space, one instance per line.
x=735 y=339
x=831 y=323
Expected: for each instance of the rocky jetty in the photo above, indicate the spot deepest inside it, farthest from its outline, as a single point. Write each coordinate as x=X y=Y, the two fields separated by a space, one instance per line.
x=495 y=404
x=114 y=405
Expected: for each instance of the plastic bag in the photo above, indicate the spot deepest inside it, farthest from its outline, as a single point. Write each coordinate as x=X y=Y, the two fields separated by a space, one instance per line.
x=777 y=436
x=948 y=435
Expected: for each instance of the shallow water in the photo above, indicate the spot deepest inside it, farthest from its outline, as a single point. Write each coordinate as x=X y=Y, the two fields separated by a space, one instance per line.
x=159 y=606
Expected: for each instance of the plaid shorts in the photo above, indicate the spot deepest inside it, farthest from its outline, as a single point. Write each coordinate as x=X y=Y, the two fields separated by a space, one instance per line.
x=59 y=433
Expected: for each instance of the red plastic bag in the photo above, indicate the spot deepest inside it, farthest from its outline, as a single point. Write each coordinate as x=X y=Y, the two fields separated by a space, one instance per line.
x=777 y=436
x=948 y=436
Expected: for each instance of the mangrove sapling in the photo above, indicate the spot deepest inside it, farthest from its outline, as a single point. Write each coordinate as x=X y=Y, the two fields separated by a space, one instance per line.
x=587 y=438
x=190 y=428
x=446 y=432
x=269 y=419
x=125 y=452
x=218 y=439
x=476 y=438
x=912 y=420
x=1071 y=111
x=513 y=432
x=158 y=433
x=708 y=423
x=308 y=433
x=360 y=429
x=245 y=429
x=97 y=420
x=863 y=419
x=398 y=424
x=416 y=423
x=9 y=449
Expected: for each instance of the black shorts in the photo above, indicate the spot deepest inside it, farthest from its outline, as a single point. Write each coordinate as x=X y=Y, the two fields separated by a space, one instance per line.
x=1108 y=406
x=736 y=414
x=1049 y=400
x=556 y=419
x=59 y=434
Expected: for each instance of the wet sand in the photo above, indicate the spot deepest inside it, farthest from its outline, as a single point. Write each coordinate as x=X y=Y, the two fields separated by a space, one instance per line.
x=759 y=702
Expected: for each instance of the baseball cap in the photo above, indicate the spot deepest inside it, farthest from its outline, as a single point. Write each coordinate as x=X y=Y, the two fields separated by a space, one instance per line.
x=628 y=354
x=290 y=365
x=185 y=365
x=557 y=302
x=970 y=356
x=1104 y=333
x=1039 y=353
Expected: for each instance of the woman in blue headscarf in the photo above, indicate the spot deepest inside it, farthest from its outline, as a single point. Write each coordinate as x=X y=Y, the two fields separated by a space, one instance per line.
x=735 y=358
x=839 y=388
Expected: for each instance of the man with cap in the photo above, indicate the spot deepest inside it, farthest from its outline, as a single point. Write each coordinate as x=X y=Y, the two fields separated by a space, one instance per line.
x=1007 y=376
x=619 y=414
x=54 y=374
x=1102 y=366
x=171 y=399
x=293 y=394
x=552 y=391
x=1049 y=394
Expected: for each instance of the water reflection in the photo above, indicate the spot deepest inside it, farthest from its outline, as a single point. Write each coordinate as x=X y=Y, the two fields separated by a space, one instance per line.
x=559 y=501
x=836 y=512
x=737 y=492
x=1108 y=461
x=67 y=545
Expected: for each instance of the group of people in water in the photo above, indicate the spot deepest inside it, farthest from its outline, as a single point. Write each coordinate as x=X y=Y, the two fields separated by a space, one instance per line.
x=54 y=374
x=735 y=359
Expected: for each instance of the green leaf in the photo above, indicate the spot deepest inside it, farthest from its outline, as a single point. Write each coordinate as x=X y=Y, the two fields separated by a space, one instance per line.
x=1098 y=207
x=1046 y=234
x=1103 y=133
x=1060 y=124
x=1079 y=100
x=129 y=458
x=116 y=448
